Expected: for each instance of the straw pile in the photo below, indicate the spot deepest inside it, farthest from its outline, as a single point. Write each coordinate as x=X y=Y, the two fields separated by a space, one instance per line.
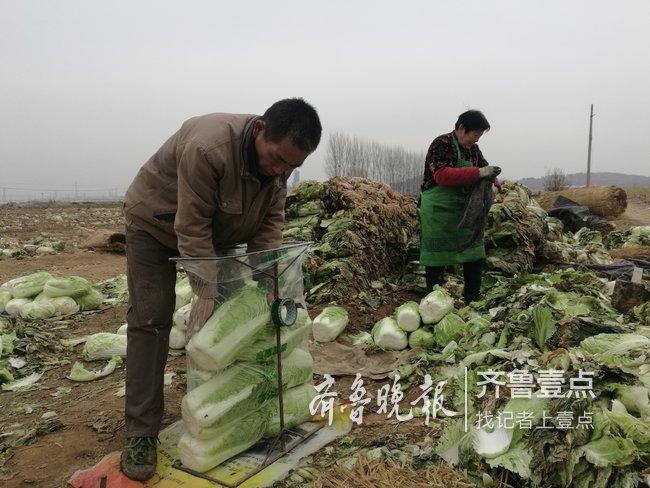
x=380 y=474
x=606 y=201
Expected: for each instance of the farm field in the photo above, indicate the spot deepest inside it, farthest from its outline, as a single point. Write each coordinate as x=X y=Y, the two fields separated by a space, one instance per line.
x=87 y=422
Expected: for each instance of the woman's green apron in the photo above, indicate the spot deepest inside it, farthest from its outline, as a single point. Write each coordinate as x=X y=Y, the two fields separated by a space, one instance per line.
x=441 y=209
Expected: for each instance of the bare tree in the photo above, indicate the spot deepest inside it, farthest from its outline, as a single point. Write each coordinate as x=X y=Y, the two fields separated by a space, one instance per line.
x=556 y=180
x=355 y=157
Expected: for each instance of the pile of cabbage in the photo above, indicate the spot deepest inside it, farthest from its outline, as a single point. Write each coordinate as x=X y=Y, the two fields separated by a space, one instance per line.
x=42 y=296
x=41 y=245
x=635 y=236
x=520 y=234
x=112 y=346
x=105 y=345
x=563 y=321
x=361 y=231
x=412 y=324
x=233 y=360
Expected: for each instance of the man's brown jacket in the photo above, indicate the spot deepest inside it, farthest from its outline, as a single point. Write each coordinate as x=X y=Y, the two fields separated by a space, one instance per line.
x=200 y=191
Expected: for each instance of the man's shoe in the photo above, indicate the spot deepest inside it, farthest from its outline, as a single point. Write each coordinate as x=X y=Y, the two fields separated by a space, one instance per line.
x=139 y=456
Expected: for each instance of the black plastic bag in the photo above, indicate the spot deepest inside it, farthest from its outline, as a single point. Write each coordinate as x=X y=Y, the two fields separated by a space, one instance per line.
x=573 y=215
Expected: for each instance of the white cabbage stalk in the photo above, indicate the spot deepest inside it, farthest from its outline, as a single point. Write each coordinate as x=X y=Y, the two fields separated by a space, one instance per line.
x=408 y=316
x=62 y=305
x=492 y=444
x=5 y=297
x=177 y=338
x=104 y=345
x=618 y=407
x=15 y=305
x=231 y=328
x=422 y=338
x=388 y=336
x=91 y=300
x=68 y=286
x=28 y=286
x=329 y=323
x=238 y=390
x=183 y=291
x=38 y=309
x=222 y=420
x=80 y=373
x=265 y=348
x=236 y=437
x=435 y=305
x=197 y=376
x=181 y=317
x=296 y=408
x=614 y=343
x=361 y=338
x=23 y=383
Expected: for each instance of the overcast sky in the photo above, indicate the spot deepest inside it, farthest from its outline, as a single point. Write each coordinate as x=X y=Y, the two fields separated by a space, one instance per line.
x=90 y=89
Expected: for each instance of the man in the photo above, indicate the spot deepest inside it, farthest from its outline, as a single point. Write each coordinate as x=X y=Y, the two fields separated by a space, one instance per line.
x=218 y=182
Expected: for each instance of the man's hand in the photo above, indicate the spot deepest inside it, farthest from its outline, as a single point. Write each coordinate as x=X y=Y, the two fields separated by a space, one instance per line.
x=199 y=314
x=489 y=172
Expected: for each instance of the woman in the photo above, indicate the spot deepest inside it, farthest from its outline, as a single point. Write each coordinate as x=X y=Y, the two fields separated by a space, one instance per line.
x=454 y=163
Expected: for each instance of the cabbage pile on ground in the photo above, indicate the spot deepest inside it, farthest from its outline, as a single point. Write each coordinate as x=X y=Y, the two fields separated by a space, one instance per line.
x=42 y=296
x=525 y=327
x=233 y=357
x=361 y=228
x=635 y=236
x=520 y=234
x=39 y=246
x=30 y=346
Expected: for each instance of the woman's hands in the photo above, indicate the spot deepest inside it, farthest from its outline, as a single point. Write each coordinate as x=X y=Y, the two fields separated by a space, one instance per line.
x=489 y=172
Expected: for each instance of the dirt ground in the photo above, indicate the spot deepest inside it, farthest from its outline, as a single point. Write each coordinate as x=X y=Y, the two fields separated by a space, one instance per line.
x=91 y=414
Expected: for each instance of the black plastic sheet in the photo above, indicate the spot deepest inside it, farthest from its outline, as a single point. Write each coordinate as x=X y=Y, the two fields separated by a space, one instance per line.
x=573 y=215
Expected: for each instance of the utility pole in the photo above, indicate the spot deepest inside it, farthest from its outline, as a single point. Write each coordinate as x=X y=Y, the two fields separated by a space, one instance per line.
x=591 y=124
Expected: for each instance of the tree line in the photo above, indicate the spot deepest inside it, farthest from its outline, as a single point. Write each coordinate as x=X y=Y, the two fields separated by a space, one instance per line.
x=349 y=156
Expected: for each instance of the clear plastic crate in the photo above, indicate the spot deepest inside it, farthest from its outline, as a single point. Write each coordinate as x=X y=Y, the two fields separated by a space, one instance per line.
x=215 y=279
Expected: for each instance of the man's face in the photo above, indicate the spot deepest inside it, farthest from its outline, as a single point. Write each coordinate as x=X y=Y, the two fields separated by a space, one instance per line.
x=468 y=138
x=276 y=158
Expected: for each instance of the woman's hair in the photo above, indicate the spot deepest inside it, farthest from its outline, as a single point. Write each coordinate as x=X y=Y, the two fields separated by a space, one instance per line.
x=473 y=120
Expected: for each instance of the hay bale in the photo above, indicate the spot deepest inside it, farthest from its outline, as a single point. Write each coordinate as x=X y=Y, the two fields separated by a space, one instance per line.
x=105 y=240
x=606 y=201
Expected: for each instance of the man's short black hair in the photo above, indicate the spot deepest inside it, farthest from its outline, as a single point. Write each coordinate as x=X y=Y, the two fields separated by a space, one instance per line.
x=473 y=120
x=295 y=118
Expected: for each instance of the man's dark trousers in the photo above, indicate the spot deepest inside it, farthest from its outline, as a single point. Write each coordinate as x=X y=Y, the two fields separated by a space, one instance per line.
x=151 y=280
